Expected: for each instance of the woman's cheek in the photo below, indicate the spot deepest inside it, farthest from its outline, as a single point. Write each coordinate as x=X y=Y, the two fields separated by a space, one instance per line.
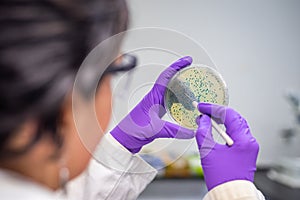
x=78 y=148
x=103 y=102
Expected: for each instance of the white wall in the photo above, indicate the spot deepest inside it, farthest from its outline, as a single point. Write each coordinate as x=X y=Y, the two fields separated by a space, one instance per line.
x=256 y=46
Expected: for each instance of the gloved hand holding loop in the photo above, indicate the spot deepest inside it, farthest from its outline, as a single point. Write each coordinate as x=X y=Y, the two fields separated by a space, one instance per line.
x=222 y=163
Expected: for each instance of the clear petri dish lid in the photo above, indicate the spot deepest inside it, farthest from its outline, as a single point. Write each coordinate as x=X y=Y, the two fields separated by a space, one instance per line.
x=203 y=83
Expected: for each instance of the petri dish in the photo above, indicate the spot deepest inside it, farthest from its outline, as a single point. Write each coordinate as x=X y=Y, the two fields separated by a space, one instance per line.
x=205 y=84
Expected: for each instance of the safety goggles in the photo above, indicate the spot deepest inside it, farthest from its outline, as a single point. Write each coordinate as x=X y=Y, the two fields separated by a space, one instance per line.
x=124 y=63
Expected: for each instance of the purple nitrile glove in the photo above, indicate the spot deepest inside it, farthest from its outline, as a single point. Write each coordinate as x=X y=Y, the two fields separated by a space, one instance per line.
x=144 y=124
x=222 y=163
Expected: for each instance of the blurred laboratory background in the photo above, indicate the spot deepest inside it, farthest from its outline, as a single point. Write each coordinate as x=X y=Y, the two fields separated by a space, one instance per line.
x=255 y=45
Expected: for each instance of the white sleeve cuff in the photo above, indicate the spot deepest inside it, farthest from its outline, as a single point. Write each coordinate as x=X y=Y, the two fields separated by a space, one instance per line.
x=113 y=155
x=239 y=189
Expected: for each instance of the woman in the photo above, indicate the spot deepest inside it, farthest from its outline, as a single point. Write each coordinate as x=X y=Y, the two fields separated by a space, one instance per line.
x=42 y=45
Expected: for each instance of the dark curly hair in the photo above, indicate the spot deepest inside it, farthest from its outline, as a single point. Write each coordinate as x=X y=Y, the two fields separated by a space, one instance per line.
x=42 y=44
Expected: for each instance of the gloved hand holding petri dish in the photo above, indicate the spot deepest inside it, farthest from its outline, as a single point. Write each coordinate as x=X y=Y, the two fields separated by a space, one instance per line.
x=190 y=86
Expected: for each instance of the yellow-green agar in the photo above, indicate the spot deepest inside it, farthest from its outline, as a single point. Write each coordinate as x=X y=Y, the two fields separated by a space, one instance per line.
x=207 y=86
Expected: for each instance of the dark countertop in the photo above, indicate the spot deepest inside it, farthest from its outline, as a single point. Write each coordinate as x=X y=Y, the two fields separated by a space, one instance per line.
x=195 y=189
x=274 y=190
x=175 y=189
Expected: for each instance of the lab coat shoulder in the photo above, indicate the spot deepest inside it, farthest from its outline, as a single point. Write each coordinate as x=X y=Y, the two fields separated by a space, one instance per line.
x=17 y=187
x=235 y=190
x=114 y=173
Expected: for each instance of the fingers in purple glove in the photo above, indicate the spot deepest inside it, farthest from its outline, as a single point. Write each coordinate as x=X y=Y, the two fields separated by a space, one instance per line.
x=168 y=73
x=236 y=125
x=171 y=130
x=182 y=62
x=204 y=136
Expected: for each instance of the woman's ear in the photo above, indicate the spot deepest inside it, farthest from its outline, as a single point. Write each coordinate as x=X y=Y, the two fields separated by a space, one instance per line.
x=22 y=136
x=74 y=151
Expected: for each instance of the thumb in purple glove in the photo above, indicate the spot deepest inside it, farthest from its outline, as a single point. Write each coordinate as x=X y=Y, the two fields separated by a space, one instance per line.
x=144 y=124
x=222 y=163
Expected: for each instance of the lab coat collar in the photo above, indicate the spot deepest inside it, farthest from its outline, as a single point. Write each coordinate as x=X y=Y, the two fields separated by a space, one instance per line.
x=15 y=186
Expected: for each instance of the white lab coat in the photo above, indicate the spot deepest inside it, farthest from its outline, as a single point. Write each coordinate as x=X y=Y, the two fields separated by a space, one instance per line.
x=119 y=175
